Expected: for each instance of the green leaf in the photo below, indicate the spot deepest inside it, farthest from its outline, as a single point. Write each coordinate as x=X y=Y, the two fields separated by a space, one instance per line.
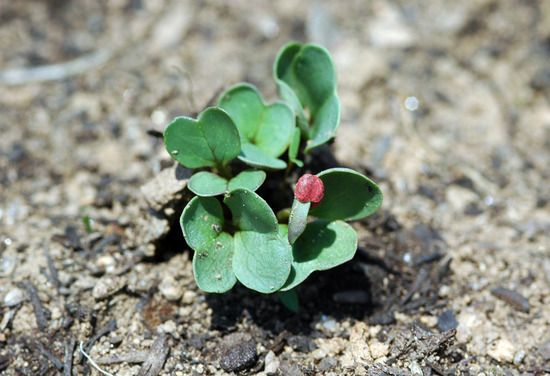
x=298 y=220
x=322 y=246
x=211 y=140
x=294 y=148
x=262 y=254
x=306 y=78
x=250 y=212
x=290 y=300
x=251 y=155
x=262 y=260
x=202 y=224
x=349 y=195
x=213 y=267
x=250 y=180
x=281 y=68
x=206 y=184
x=202 y=221
x=268 y=127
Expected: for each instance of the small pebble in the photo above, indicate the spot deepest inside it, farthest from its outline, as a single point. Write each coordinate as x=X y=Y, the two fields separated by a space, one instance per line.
x=544 y=350
x=327 y=363
x=447 y=321
x=107 y=286
x=13 y=297
x=189 y=297
x=301 y=343
x=271 y=363
x=170 y=288
x=502 y=351
x=415 y=369
x=238 y=352
x=518 y=358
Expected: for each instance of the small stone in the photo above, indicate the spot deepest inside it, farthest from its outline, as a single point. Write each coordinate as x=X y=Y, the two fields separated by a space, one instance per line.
x=518 y=358
x=328 y=323
x=14 y=297
x=189 y=297
x=544 y=350
x=447 y=321
x=169 y=327
x=106 y=262
x=271 y=363
x=415 y=369
x=170 y=288
x=238 y=352
x=288 y=369
x=107 y=286
x=502 y=351
x=301 y=343
x=378 y=349
x=327 y=363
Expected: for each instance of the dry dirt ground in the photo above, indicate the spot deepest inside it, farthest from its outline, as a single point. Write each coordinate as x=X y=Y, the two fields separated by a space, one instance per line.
x=445 y=104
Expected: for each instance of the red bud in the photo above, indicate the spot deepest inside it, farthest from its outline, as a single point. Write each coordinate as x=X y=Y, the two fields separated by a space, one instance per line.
x=309 y=188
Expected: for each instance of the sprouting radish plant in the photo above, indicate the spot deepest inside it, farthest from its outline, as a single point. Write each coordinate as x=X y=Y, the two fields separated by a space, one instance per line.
x=234 y=232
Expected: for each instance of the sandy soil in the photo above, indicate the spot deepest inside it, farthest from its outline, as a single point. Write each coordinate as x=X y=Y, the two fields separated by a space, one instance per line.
x=445 y=104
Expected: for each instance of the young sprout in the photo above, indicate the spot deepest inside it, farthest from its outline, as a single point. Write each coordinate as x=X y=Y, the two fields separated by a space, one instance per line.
x=238 y=145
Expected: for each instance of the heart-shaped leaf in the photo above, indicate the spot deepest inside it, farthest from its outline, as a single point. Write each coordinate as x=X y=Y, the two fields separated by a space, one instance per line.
x=269 y=127
x=210 y=141
x=251 y=212
x=306 y=79
x=349 y=195
x=252 y=156
x=322 y=246
x=207 y=184
x=202 y=224
x=262 y=260
x=251 y=180
x=262 y=255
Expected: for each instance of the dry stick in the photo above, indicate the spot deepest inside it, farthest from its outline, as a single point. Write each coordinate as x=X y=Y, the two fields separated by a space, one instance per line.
x=136 y=357
x=52 y=271
x=68 y=364
x=157 y=356
x=50 y=356
x=53 y=72
x=36 y=305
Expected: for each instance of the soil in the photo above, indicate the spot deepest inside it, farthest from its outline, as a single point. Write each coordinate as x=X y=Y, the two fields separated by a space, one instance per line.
x=446 y=105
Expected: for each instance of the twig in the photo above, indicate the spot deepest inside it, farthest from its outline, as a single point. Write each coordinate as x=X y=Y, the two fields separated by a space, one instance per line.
x=53 y=276
x=36 y=305
x=68 y=364
x=157 y=356
x=137 y=357
x=50 y=356
x=94 y=364
x=54 y=72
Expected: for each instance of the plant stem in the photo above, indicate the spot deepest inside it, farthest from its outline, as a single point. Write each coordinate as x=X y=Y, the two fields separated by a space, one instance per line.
x=224 y=171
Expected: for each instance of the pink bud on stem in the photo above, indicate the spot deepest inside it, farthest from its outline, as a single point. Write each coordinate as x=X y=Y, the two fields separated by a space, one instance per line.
x=309 y=188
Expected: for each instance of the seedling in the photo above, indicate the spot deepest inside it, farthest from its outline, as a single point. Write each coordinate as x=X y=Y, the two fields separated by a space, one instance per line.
x=241 y=142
